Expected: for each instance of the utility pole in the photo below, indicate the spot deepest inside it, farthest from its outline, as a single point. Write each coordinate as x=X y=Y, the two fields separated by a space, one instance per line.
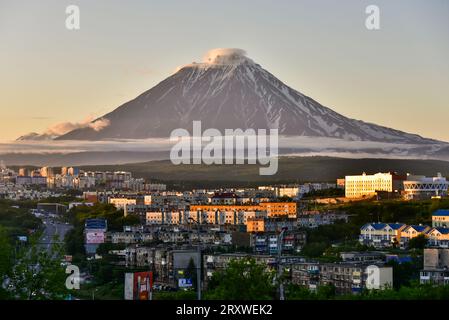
x=281 y=285
x=198 y=267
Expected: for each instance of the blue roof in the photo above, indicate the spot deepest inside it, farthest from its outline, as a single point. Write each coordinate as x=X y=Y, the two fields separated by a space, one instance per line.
x=441 y=212
x=395 y=226
x=380 y=226
x=419 y=228
x=442 y=230
x=377 y=226
x=399 y=259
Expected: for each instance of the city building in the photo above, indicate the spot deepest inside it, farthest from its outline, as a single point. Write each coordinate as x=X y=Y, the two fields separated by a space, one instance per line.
x=287 y=191
x=314 y=219
x=268 y=242
x=341 y=183
x=381 y=235
x=167 y=264
x=218 y=262
x=421 y=187
x=31 y=181
x=369 y=185
x=438 y=237
x=436 y=267
x=163 y=217
x=440 y=218
x=273 y=209
x=412 y=231
x=55 y=208
x=265 y=224
x=362 y=256
x=254 y=225
x=346 y=277
x=225 y=198
x=47 y=172
x=120 y=203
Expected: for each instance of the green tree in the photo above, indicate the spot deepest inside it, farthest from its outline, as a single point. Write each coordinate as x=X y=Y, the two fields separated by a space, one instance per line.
x=418 y=242
x=326 y=292
x=6 y=260
x=5 y=253
x=243 y=279
x=296 y=292
x=406 y=272
x=177 y=295
x=38 y=274
x=314 y=249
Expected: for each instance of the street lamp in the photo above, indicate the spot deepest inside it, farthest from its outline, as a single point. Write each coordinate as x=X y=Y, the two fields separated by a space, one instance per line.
x=198 y=267
x=281 y=285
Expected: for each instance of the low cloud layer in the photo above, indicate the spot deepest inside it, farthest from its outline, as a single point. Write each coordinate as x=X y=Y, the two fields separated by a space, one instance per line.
x=226 y=56
x=298 y=145
x=65 y=127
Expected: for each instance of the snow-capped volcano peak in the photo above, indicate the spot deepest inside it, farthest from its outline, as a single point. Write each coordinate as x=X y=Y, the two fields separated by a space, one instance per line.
x=225 y=56
x=221 y=57
x=228 y=90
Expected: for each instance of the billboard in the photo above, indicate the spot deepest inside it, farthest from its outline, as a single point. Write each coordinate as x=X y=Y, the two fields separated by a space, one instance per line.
x=96 y=237
x=138 y=285
x=184 y=283
x=96 y=224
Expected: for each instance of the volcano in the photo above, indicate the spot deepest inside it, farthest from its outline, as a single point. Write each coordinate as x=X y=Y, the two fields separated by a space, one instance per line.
x=228 y=90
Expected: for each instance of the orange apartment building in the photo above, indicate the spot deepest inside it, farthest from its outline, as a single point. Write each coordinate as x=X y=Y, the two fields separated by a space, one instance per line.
x=254 y=225
x=273 y=209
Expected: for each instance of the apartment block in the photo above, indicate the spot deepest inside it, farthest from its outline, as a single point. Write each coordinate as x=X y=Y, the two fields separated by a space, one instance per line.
x=436 y=267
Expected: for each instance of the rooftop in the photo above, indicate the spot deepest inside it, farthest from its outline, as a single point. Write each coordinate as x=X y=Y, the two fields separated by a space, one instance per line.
x=441 y=213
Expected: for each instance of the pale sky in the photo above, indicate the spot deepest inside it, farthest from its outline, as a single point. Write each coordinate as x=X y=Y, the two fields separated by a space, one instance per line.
x=397 y=76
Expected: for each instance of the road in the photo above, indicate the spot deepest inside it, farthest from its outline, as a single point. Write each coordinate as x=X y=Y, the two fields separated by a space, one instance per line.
x=52 y=228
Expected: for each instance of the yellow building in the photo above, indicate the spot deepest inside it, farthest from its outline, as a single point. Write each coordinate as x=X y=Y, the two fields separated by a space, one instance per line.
x=158 y=217
x=439 y=236
x=440 y=218
x=120 y=203
x=367 y=185
x=412 y=231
